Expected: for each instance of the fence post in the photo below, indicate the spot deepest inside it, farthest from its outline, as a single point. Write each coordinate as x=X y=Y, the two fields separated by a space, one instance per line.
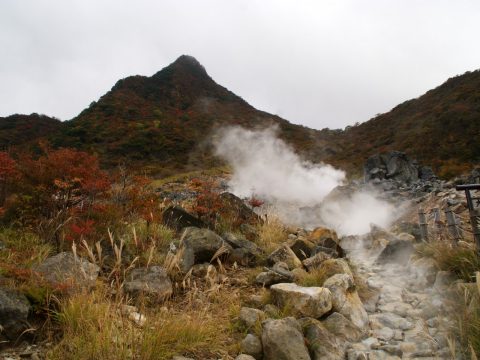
x=423 y=224
x=473 y=210
x=452 y=225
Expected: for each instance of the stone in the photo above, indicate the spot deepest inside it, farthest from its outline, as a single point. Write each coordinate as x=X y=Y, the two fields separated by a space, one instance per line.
x=332 y=267
x=306 y=301
x=302 y=248
x=384 y=333
x=244 y=357
x=393 y=321
x=66 y=269
x=235 y=211
x=397 y=251
x=393 y=165
x=177 y=218
x=315 y=260
x=325 y=238
x=343 y=328
x=286 y=255
x=198 y=246
x=425 y=270
x=252 y=345
x=14 y=310
x=345 y=299
x=181 y=358
x=244 y=252
x=283 y=340
x=271 y=277
x=250 y=317
x=322 y=344
x=152 y=282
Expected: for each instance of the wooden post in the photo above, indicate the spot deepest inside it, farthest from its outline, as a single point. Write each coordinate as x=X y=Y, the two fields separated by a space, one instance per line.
x=452 y=225
x=423 y=225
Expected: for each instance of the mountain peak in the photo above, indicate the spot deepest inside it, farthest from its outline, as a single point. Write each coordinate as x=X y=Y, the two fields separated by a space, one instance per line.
x=189 y=65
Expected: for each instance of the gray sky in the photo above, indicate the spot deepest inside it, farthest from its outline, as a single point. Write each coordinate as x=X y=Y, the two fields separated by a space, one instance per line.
x=323 y=63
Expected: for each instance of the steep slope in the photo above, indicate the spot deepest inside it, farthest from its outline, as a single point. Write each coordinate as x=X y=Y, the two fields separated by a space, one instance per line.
x=441 y=128
x=167 y=119
x=26 y=130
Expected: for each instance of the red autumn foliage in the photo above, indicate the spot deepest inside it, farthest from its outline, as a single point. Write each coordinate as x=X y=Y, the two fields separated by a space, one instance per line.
x=8 y=173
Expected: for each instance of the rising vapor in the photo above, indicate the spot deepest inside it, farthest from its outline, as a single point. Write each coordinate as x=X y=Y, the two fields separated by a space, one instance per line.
x=266 y=166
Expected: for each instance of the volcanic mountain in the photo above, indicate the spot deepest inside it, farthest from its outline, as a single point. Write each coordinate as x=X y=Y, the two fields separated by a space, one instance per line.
x=166 y=121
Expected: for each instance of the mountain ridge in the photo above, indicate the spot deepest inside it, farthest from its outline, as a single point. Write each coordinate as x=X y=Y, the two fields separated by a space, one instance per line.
x=164 y=120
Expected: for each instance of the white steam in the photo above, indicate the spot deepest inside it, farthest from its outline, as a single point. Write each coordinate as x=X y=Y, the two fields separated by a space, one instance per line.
x=266 y=166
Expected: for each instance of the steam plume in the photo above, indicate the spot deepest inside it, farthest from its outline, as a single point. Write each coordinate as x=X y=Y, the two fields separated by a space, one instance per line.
x=266 y=166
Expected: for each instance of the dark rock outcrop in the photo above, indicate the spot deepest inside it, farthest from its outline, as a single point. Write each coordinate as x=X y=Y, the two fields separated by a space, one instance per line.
x=177 y=218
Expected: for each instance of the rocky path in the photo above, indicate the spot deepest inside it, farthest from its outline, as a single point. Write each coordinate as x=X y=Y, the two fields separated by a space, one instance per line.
x=408 y=315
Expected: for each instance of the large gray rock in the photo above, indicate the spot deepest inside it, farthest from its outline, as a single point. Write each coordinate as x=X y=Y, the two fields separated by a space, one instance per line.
x=393 y=165
x=322 y=344
x=286 y=255
x=177 y=218
x=66 y=269
x=252 y=345
x=152 y=282
x=244 y=252
x=250 y=317
x=198 y=246
x=283 y=340
x=345 y=299
x=397 y=251
x=14 y=309
x=343 y=328
x=306 y=301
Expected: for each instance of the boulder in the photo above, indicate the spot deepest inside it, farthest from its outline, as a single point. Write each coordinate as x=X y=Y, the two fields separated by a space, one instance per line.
x=393 y=165
x=14 y=309
x=302 y=248
x=343 y=328
x=244 y=252
x=283 y=340
x=152 y=282
x=331 y=267
x=345 y=299
x=324 y=239
x=315 y=261
x=322 y=344
x=270 y=277
x=305 y=301
x=397 y=251
x=252 y=345
x=177 y=218
x=66 y=269
x=244 y=357
x=286 y=255
x=235 y=211
x=390 y=320
x=250 y=317
x=198 y=246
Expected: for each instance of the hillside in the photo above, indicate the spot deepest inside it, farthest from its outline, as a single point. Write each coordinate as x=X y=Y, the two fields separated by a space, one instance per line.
x=26 y=130
x=165 y=123
x=440 y=128
x=166 y=120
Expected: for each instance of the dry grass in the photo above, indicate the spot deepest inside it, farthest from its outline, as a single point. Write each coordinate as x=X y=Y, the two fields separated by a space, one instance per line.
x=22 y=248
x=316 y=277
x=460 y=261
x=197 y=323
x=468 y=320
x=271 y=234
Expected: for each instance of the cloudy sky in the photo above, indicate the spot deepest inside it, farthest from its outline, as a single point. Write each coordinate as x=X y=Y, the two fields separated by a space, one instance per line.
x=321 y=63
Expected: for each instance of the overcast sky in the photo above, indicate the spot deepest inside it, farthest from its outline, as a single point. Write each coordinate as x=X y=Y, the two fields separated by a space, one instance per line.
x=322 y=63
